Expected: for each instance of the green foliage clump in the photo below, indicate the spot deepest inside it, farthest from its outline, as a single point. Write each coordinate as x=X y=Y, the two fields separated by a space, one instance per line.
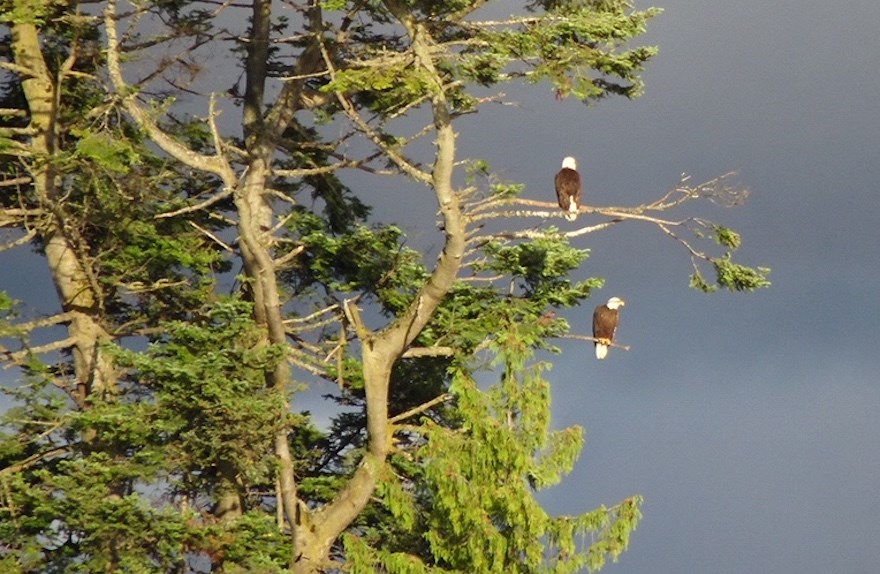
x=576 y=47
x=368 y=260
x=542 y=266
x=195 y=416
x=383 y=90
x=729 y=274
x=115 y=155
x=465 y=489
x=210 y=407
x=736 y=277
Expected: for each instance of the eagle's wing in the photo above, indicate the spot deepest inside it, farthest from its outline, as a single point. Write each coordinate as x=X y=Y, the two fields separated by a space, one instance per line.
x=605 y=322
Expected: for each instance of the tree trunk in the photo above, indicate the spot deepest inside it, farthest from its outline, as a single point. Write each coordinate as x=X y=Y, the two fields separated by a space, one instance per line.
x=93 y=370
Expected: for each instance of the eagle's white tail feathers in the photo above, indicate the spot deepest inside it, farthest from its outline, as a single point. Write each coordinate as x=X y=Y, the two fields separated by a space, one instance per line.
x=601 y=350
x=572 y=211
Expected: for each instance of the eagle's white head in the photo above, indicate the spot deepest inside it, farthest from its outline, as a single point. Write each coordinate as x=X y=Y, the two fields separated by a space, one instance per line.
x=615 y=302
x=570 y=163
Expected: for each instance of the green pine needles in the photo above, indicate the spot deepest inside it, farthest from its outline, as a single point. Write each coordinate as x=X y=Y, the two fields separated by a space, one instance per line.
x=466 y=489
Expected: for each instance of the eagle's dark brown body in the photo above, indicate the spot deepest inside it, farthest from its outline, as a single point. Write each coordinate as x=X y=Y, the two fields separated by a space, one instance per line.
x=605 y=320
x=568 y=188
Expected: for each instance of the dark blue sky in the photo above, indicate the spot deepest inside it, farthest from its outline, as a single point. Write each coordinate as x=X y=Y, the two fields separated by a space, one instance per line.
x=748 y=422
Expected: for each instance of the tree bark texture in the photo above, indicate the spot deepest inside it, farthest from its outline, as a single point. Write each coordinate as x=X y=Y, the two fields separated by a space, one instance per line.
x=93 y=370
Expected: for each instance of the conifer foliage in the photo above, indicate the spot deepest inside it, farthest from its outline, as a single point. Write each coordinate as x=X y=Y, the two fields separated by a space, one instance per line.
x=198 y=180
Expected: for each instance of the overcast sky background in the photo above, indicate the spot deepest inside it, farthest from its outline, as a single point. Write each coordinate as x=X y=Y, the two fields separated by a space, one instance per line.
x=748 y=422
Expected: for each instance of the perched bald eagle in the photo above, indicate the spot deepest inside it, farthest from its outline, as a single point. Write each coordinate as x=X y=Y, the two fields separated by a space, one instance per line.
x=605 y=319
x=568 y=188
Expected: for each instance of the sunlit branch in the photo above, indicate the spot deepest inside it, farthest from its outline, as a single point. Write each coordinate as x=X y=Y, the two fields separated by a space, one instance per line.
x=541 y=234
x=297 y=359
x=353 y=315
x=373 y=136
x=164 y=283
x=16 y=181
x=310 y=171
x=284 y=260
x=313 y=316
x=16 y=357
x=23 y=240
x=420 y=408
x=510 y=22
x=312 y=326
x=316 y=350
x=212 y=237
x=14 y=131
x=219 y=196
x=415 y=352
x=595 y=340
x=215 y=164
x=44 y=322
x=477 y=279
x=15 y=68
x=32 y=460
x=320 y=74
x=219 y=144
x=591 y=228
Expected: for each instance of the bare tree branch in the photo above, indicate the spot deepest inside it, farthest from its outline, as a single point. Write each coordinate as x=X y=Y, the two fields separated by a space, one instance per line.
x=217 y=197
x=364 y=127
x=29 y=326
x=32 y=460
x=212 y=237
x=215 y=164
x=17 y=357
x=595 y=340
x=23 y=240
x=420 y=408
x=414 y=352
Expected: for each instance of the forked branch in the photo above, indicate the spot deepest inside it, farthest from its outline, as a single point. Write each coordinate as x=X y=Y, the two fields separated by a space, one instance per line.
x=215 y=164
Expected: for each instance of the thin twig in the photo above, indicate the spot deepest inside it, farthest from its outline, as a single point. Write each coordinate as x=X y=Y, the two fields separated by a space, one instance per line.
x=213 y=237
x=595 y=340
x=220 y=196
x=317 y=313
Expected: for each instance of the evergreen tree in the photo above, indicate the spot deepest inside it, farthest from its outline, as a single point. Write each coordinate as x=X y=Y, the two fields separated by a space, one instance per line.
x=211 y=261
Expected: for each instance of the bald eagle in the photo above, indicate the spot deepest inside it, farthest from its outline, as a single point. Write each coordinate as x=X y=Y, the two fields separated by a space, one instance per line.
x=605 y=319
x=568 y=188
